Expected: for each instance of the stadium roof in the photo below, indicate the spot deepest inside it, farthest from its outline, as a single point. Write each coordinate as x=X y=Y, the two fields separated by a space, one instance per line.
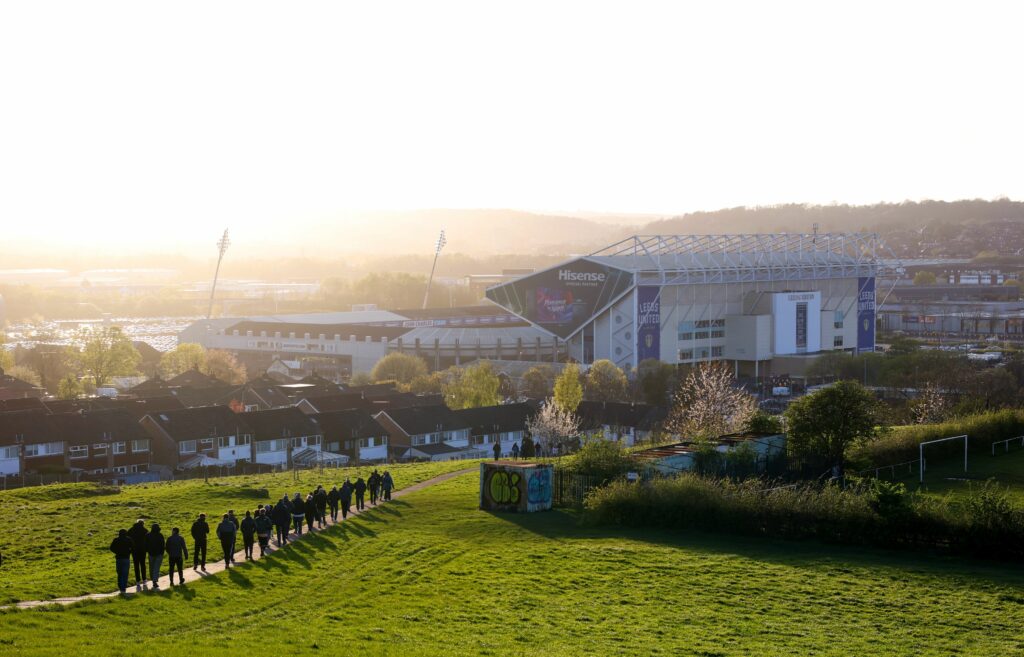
x=673 y=259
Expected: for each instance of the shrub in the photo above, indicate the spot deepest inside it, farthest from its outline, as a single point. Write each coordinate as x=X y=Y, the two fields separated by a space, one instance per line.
x=602 y=459
x=868 y=513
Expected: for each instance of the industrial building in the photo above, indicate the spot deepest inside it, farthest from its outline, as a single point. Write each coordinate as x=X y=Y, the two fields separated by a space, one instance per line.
x=766 y=303
x=339 y=344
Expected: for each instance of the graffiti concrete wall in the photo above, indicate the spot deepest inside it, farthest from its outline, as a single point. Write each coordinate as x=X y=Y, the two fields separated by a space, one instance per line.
x=515 y=487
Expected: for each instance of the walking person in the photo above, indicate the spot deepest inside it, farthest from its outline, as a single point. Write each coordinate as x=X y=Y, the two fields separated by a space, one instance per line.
x=387 y=483
x=200 y=531
x=282 y=517
x=360 y=492
x=177 y=552
x=122 y=547
x=138 y=535
x=497 y=451
x=320 y=499
x=248 y=534
x=233 y=518
x=298 y=513
x=226 y=533
x=264 y=527
x=155 y=546
x=332 y=500
x=310 y=511
x=515 y=451
x=345 y=497
x=373 y=483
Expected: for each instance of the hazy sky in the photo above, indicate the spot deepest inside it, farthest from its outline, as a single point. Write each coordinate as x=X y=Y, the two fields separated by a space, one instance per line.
x=174 y=119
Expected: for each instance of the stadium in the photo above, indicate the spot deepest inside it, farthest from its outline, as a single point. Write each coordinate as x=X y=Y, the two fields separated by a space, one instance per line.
x=765 y=303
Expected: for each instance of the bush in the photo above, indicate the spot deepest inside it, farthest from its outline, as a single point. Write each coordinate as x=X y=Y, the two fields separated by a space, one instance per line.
x=868 y=513
x=602 y=459
x=901 y=443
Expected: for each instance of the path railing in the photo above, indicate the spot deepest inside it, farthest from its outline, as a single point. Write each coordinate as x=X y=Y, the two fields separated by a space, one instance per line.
x=1006 y=444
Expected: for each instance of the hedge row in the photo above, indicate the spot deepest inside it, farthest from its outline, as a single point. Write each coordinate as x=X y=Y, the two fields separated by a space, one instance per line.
x=900 y=444
x=875 y=513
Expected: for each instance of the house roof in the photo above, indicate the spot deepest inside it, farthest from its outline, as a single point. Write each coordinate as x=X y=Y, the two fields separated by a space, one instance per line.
x=11 y=387
x=361 y=331
x=417 y=420
x=354 y=423
x=195 y=379
x=280 y=423
x=199 y=422
x=497 y=419
x=257 y=391
x=22 y=404
x=594 y=415
x=96 y=426
x=34 y=425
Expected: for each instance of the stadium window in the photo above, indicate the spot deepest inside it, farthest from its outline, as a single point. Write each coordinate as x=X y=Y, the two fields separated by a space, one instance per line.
x=718 y=334
x=700 y=335
x=683 y=337
x=686 y=354
x=716 y=352
x=837 y=321
x=837 y=341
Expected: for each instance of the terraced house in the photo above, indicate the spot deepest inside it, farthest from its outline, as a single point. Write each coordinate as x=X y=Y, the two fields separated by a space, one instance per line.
x=197 y=437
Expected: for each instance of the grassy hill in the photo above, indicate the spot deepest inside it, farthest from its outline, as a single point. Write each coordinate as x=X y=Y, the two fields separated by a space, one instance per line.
x=58 y=537
x=431 y=575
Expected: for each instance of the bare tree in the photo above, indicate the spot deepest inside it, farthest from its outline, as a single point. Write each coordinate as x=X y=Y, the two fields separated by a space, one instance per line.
x=708 y=404
x=553 y=424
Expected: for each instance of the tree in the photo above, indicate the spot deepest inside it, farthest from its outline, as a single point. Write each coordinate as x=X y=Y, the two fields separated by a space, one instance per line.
x=70 y=388
x=606 y=382
x=931 y=406
x=183 y=358
x=223 y=366
x=427 y=384
x=107 y=352
x=822 y=426
x=537 y=382
x=924 y=278
x=568 y=389
x=708 y=405
x=6 y=359
x=399 y=367
x=763 y=423
x=473 y=387
x=360 y=379
x=655 y=380
x=552 y=424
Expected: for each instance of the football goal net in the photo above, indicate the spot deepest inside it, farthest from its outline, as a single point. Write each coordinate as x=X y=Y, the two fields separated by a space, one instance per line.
x=924 y=465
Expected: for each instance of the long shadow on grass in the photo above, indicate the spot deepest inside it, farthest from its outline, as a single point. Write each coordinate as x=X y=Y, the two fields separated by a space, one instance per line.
x=565 y=525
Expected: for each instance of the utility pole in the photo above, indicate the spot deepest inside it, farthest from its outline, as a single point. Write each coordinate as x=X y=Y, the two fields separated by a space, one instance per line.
x=441 y=241
x=222 y=246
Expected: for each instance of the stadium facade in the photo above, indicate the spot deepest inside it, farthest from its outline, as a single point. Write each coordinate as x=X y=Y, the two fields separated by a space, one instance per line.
x=763 y=302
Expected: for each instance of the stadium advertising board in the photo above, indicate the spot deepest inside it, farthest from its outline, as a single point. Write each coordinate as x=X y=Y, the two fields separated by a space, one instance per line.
x=648 y=323
x=562 y=299
x=866 y=314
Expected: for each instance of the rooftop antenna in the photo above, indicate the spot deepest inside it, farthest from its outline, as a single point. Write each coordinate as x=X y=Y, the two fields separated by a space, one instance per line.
x=222 y=246
x=441 y=241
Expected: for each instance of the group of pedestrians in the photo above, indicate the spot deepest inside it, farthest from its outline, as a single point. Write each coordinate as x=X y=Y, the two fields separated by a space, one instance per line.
x=143 y=547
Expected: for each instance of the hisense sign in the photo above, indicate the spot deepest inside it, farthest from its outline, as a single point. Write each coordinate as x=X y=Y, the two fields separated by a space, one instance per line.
x=570 y=276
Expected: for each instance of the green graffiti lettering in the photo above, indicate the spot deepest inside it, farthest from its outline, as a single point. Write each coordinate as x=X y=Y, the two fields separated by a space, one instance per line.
x=504 y=487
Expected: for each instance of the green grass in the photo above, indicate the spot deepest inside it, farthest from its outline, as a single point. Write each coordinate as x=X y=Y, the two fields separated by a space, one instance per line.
x=56 y=538
x=432 y=575
x=947 y=477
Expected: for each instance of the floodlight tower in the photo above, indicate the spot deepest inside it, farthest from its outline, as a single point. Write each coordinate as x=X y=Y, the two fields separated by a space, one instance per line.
x=441 y=241
x=222 y=246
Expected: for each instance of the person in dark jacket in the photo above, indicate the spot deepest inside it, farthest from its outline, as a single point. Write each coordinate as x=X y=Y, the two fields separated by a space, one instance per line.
x=282 y=517
x=515 y=451
x=387 y=483
x=226 y=533
x=497 y=451
x=310 y=511
x=177 y=552
x=373 y=483
x=138 y=535
x=360 y=492
x=320 y=499
x=264 y=527
x=345 y=497
x=155 y=547
x=122 y=547
x=298 y=513
x=332 y=501
x=248 y=528
x=200 y=532
x=233 y=518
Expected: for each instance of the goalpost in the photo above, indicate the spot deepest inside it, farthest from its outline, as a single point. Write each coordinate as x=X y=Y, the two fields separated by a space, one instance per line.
x=939 y=440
